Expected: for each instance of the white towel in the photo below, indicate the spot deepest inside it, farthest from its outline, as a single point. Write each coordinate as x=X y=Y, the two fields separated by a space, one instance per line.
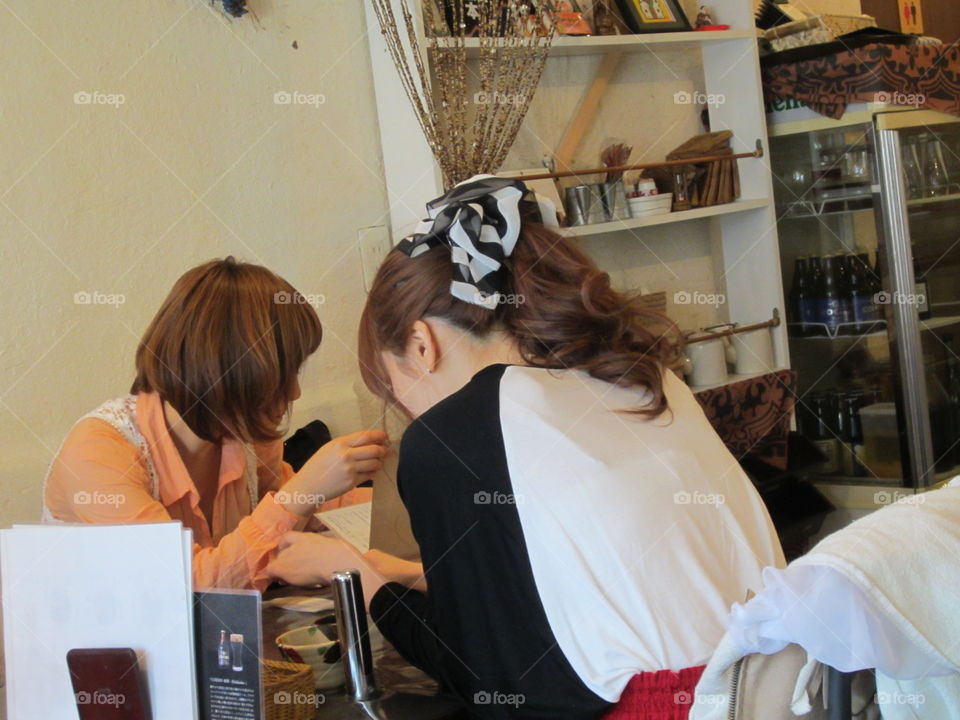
x=884 y=593
x=905 y=559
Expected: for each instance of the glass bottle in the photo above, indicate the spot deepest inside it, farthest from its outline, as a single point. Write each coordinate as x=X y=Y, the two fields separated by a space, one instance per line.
x=814 y=280
x=831 y=299
x=840 y=426
x=921 y=289
x=864 y=310
x=853 y=436
x=803 y=302
x=870 y=277
x=844 y=262
x=223 y=650
x=822 y=435
x=878 y=286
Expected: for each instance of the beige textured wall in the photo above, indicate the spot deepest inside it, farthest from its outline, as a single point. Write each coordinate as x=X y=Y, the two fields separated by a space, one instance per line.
x=197 y=162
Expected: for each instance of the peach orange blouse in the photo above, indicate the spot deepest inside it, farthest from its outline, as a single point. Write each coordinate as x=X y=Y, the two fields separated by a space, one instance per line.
x=99 y=477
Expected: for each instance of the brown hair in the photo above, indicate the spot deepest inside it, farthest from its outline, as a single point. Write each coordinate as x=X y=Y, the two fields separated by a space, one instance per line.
x=225 y=349
x=565 y=315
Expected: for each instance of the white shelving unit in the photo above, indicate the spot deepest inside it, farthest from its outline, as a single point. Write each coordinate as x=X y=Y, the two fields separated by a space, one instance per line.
x=745 y=231
x=583 y=231
x=593 y=45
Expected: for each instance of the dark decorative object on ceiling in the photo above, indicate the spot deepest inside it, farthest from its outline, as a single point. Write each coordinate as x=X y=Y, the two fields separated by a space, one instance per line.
x=236 y=8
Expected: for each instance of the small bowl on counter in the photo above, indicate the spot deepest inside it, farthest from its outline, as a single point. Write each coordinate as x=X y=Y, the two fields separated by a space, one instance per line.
x=650 y=204
x=314 y=645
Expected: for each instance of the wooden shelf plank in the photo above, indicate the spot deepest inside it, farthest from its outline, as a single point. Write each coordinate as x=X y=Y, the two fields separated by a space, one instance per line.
x=584 y=231
x=594 y=45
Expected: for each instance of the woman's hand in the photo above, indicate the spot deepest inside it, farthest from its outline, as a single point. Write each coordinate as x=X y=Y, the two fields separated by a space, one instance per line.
x=341 y=464
x=394 y=569
x=307 y=559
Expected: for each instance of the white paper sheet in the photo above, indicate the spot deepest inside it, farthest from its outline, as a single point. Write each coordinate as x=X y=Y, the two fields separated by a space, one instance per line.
x=351 y=523
x=89 y=586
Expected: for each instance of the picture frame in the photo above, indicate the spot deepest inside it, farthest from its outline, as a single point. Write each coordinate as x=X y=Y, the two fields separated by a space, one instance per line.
x=651 y=16
x=605 y=17
x=570 y=19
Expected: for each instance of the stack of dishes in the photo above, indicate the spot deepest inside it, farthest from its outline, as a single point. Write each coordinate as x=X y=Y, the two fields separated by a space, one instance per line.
x=650 y=204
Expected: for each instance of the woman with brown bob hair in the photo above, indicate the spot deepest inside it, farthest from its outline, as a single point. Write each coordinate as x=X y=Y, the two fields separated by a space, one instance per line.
x=583 y=529
x=198 y=439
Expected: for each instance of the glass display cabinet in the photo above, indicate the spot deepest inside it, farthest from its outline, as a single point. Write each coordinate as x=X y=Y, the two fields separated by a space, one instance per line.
x=869 y=227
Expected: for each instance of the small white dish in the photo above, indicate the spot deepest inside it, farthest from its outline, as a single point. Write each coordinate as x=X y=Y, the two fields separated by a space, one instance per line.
x=312 y=646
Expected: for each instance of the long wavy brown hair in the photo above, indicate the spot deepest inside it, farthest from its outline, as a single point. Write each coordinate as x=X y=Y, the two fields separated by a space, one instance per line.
x=563 y=314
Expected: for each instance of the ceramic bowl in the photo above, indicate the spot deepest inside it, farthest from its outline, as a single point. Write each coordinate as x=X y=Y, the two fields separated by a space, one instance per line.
x=650 y=205
x=311 y=645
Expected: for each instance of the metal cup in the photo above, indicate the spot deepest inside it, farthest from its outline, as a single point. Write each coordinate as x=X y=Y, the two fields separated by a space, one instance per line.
x=598 y=206
x=578 y=205
x=614 y=200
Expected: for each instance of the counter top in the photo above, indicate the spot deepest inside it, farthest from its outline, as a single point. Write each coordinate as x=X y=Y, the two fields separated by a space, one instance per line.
x=406 y=691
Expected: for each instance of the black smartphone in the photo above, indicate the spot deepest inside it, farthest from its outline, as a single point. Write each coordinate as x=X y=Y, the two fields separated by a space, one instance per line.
x=108 y=684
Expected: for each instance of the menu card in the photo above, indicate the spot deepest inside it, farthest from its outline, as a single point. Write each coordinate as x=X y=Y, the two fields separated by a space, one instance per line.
x=229 y=650
x=88 y=587
x=350 y=523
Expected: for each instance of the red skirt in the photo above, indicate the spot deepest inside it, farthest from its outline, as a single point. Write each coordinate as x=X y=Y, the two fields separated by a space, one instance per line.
x=661 y=695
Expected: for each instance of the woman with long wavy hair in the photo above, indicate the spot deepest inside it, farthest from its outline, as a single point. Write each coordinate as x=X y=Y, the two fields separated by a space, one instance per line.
x=583 y=529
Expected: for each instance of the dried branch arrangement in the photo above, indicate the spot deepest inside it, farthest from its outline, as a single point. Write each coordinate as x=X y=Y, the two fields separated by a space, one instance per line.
x=615 y=156
x=470 y=108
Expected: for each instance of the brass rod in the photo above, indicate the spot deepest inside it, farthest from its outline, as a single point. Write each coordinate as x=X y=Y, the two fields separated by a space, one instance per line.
x=773 y=322
x=622 y=168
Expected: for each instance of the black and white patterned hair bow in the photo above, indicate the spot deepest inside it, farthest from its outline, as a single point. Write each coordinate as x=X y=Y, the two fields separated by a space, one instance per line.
x=479 y=219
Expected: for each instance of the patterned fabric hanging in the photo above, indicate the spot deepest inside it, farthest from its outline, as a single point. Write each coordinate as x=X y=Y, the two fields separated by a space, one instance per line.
x=921 y=75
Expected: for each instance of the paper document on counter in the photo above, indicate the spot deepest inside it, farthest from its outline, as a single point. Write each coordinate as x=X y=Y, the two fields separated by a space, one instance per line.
x=351 y=523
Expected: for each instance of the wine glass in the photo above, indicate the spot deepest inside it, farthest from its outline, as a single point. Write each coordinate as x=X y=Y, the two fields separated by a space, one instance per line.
x=911 y=170
x=934 y=172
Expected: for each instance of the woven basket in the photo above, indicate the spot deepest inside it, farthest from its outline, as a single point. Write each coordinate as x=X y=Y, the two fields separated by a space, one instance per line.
x=842 y=24
x=814 y=30
x=800 y=33
x=288 y=692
